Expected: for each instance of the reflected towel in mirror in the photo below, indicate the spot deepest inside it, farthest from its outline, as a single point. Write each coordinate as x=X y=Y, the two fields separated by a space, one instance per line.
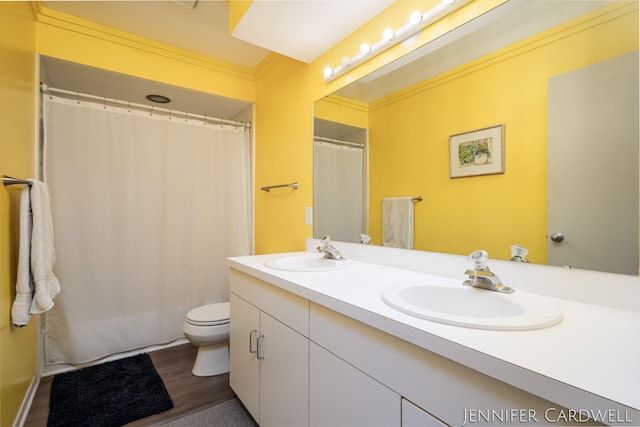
x=397 y=222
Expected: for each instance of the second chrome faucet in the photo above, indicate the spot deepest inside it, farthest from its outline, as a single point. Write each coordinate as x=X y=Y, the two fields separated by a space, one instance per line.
x=481 y=277
x=328 y=250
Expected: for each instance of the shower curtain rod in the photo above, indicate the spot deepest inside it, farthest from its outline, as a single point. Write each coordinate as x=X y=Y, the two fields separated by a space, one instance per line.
x=45 y=89
x=339 y=142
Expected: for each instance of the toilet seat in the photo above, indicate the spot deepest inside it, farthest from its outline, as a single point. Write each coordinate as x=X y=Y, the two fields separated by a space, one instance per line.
x=209 y=315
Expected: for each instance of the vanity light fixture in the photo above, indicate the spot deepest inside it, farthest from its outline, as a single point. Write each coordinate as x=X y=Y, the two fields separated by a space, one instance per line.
x=415 y=18
x=416 y=23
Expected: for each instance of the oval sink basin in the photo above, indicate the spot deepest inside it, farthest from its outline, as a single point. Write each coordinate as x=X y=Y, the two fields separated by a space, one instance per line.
x=307 y=263
x=472 y=307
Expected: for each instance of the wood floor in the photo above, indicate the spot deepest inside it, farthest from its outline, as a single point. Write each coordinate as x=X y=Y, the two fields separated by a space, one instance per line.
x=188 y=392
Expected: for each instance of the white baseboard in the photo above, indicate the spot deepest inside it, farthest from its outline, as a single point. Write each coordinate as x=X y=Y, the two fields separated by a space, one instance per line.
x=21 y=418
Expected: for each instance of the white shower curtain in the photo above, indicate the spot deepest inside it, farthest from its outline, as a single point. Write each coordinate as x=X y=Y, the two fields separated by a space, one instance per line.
x=146 y=208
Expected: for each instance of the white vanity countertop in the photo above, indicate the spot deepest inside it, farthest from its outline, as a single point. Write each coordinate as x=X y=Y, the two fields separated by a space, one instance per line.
x=589 y=361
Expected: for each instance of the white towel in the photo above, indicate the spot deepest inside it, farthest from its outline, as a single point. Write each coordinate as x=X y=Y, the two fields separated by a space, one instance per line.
x=36 y=285
x=43 y=257
x=20 y=314
x=397 y=222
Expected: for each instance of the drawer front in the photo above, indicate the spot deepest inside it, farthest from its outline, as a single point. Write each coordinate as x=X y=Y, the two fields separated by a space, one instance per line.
x=289 y=309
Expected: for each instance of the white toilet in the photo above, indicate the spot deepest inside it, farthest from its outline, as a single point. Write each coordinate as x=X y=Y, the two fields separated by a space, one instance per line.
x=208 y=328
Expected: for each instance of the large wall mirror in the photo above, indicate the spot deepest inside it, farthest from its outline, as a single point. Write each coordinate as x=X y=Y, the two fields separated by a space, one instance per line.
x=560 y=78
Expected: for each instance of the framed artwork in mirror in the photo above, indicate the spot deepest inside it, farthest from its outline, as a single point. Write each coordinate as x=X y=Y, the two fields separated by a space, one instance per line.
x=479 y=152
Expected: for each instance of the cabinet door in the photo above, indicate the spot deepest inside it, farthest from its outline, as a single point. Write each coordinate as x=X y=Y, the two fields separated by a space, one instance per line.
x=284 y=375
x=413 y=416
x=343 y=396
x=244 y=375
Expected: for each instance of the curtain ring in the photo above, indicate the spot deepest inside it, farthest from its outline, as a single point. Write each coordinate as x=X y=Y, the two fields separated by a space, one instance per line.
x=77 y=97
x=204 y=122
x=151 y=112
x=170 y=113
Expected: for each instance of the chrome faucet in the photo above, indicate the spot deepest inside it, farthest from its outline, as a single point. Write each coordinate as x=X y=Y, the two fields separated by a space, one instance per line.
x=329 y=251
x=481 y=277
x=519 y=253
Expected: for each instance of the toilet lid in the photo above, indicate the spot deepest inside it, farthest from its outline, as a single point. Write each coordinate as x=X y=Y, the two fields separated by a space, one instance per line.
x=209 y=315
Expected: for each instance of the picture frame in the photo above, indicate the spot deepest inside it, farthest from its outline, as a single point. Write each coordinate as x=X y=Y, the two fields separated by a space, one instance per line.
x=478 y=152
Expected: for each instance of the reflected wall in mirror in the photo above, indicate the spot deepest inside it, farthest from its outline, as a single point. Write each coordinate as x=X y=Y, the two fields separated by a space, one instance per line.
x=499 y=68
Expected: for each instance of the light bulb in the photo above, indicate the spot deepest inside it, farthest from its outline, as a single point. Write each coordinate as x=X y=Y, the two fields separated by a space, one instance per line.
x=365 y=49
x=328 y=72
x=388 y=34
x=415 y=18
x=346 y=61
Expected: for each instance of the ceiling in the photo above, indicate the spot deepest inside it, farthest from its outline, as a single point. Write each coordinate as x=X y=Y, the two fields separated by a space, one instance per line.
x=300 y=29
x=204 y=29
x=305 y=29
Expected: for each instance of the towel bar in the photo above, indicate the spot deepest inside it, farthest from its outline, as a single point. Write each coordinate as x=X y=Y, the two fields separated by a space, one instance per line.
x=7 y=180
x=293 y=185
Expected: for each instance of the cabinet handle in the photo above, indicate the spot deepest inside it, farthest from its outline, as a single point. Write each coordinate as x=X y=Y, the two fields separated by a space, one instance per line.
x=259 y=354
x=251 y=335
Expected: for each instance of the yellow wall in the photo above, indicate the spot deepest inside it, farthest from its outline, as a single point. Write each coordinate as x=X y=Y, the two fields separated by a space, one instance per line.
x=281 y=155
x=17 y=129
x=285 y=93
x=336 y=108
x=409 y=139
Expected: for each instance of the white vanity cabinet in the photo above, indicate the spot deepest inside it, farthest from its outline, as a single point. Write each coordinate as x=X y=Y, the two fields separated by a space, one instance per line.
x=269 y=349
x=295 y=362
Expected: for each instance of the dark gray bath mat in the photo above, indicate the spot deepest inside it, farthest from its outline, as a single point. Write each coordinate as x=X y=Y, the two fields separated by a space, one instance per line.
x=110 y=394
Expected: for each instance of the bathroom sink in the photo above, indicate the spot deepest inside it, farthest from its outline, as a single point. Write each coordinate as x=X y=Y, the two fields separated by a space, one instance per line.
x=307 y=263
x=472 y=307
